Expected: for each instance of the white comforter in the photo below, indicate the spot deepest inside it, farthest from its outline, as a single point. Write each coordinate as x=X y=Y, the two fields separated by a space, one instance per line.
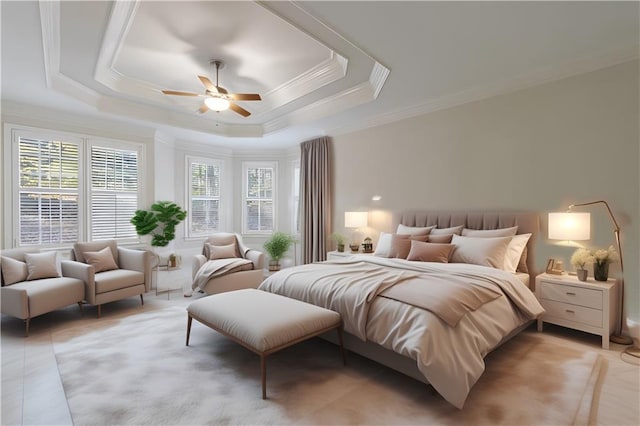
x=451 y=358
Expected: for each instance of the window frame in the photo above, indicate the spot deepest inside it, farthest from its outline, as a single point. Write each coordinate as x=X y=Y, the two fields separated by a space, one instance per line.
x=295 y=198
x=10 y=161
x=222 y=217
x=246 y=165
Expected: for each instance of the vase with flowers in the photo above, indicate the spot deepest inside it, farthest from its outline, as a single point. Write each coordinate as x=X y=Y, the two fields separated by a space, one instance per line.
x=581 y=258
x=601 y=260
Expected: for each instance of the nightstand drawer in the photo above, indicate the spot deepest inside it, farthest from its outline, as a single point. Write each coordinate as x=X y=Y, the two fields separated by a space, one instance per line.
x=566 y=311
x=570 y=294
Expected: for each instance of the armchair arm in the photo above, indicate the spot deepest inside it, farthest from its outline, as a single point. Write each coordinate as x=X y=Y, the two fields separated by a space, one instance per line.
x=255 y=256
x=197 y=264
x=136 y=260
x=15 y=302
x=85 y=273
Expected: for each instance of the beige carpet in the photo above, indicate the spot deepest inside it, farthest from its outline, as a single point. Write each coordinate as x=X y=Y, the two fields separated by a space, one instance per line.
x=137 y=370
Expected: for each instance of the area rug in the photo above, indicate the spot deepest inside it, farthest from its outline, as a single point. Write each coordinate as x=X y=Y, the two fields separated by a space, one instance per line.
x=137 y=370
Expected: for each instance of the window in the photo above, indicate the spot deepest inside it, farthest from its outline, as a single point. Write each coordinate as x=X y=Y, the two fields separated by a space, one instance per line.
x=114 y=192
x=205 y=176
x=259 y=197
x=48 y=192
x=62 y=195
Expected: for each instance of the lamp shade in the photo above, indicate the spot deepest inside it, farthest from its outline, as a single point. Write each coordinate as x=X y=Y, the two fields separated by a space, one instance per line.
x=355 y=219
x=569 y=226
x=217 y=103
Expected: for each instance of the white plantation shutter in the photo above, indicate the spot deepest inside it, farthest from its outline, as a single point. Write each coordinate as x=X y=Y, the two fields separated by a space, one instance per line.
x=259 y=198
x=48 y=191
x=204 y=196
x=113 y=192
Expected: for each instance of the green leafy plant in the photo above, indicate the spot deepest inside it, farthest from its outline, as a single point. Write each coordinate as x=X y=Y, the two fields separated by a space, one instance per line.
x=159 y=222
x=338 y=238
x=278 y=245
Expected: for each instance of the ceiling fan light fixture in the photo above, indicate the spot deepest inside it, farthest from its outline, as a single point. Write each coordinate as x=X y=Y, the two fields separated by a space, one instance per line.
x=217 y=103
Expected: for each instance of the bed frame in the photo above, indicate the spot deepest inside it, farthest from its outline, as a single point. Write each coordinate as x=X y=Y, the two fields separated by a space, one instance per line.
x=527 y=222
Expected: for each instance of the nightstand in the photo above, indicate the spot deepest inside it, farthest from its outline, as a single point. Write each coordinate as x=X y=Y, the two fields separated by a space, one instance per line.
x=341 y=254
x=589 y=306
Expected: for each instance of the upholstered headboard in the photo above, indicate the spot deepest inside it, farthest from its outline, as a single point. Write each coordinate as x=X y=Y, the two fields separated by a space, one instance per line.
x=527 y=222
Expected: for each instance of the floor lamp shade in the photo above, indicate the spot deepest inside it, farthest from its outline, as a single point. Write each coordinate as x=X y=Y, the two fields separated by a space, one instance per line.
x=355 y=219
x=570 y=226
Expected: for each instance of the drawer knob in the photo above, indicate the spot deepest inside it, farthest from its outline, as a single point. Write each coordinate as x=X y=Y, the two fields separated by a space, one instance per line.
x=570 y=294
x=569 y=311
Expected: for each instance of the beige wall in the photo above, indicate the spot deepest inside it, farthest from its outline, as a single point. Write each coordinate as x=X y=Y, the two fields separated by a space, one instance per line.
x=541 y=149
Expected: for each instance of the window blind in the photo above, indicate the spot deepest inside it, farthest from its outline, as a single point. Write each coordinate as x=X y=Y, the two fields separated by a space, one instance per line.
x=204 y=212
x=259 y=199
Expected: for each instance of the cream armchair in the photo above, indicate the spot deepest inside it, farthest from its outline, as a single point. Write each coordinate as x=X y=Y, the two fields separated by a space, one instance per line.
x=32 y=285
x=109 y=272
x=249 y=278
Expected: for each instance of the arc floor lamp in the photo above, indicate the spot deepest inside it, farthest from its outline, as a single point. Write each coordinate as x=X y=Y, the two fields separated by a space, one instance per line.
x=617 y=337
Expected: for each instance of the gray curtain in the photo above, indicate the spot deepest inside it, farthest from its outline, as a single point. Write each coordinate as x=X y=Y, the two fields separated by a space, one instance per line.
x=315 y=198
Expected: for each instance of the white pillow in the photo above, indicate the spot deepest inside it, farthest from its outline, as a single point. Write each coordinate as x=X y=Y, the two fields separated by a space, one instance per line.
x=514 y=251
x=384 y=245
x=480 y=251
x=13 y=271
x=222 y=252
x=413 y=230
x=41 y=265
x=453 y=230
x=501 y=232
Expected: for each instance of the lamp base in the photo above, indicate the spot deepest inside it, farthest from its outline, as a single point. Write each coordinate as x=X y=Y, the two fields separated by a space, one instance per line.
x=633 y=351
x=621 y=340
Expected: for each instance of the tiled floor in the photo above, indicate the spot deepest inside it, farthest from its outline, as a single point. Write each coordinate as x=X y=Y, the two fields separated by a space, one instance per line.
x=32 y=392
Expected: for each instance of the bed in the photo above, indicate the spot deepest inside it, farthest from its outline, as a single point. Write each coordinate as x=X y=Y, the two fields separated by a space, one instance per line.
x=434 y=321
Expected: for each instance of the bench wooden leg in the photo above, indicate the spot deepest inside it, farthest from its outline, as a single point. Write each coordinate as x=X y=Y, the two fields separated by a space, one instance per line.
x=81 y=310
x=141 y=300
x=26 y=323
x=263 y=372
x=189 y=319
x=344 y=359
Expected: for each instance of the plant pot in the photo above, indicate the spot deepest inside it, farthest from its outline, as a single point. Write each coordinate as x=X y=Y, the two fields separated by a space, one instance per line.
x=582 y=274
x=274 y=265
x=341 y=248
x=601 y=271
x=354 y=247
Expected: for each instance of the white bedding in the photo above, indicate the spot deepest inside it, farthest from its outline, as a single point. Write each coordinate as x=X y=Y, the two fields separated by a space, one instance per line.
x=451 y=358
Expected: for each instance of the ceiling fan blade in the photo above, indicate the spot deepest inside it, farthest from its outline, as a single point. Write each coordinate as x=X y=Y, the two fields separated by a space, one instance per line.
x=208 y=84
x=204 y=108
x=245 y=96
x=179 y=93
x=222 y=90
x=243 y=112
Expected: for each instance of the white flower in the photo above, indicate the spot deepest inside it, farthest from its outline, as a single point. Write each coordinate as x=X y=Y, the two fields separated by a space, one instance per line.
x=602 y=256
x=581 y=257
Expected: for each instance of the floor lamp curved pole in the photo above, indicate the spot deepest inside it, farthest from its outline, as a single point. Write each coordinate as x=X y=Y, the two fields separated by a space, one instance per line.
x=617 y=337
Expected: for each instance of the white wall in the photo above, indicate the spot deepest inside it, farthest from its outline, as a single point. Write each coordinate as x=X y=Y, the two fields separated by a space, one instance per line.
x=540 y=149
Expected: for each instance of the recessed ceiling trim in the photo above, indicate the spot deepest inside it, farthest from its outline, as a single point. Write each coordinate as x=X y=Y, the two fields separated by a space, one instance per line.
x=378 y=76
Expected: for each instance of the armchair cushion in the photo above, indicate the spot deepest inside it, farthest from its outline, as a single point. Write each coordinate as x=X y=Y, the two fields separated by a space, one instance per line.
x=222 y=239
x=41 y=265
x=101 y=260
x=13 y=271
x=117 y=279
x=222 y=252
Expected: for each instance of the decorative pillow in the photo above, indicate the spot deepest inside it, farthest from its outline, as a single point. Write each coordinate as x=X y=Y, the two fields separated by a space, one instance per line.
x=222 y=252
x=101 y=260
x=522 y=264
x=221 y=239
x=501 y=232
x=480 y=251
x=384 y=245
x=79 y=249
x=414 y=230
x=453 y=230
x=41 y=265
x=13 y=271
x=430 y=252
x=440 y=239
x=401 y=244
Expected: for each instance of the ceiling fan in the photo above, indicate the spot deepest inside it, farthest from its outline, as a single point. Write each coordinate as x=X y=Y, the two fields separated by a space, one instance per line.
x=217 y=98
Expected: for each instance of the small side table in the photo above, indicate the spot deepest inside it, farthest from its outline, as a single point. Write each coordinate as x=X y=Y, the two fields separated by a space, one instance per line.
x=589 y=306
x=165 y=270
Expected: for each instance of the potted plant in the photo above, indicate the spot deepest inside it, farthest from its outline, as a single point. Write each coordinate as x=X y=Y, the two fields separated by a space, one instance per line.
x=276 y=247
x=579 y=260
x=340 y=240
x=159 y=222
